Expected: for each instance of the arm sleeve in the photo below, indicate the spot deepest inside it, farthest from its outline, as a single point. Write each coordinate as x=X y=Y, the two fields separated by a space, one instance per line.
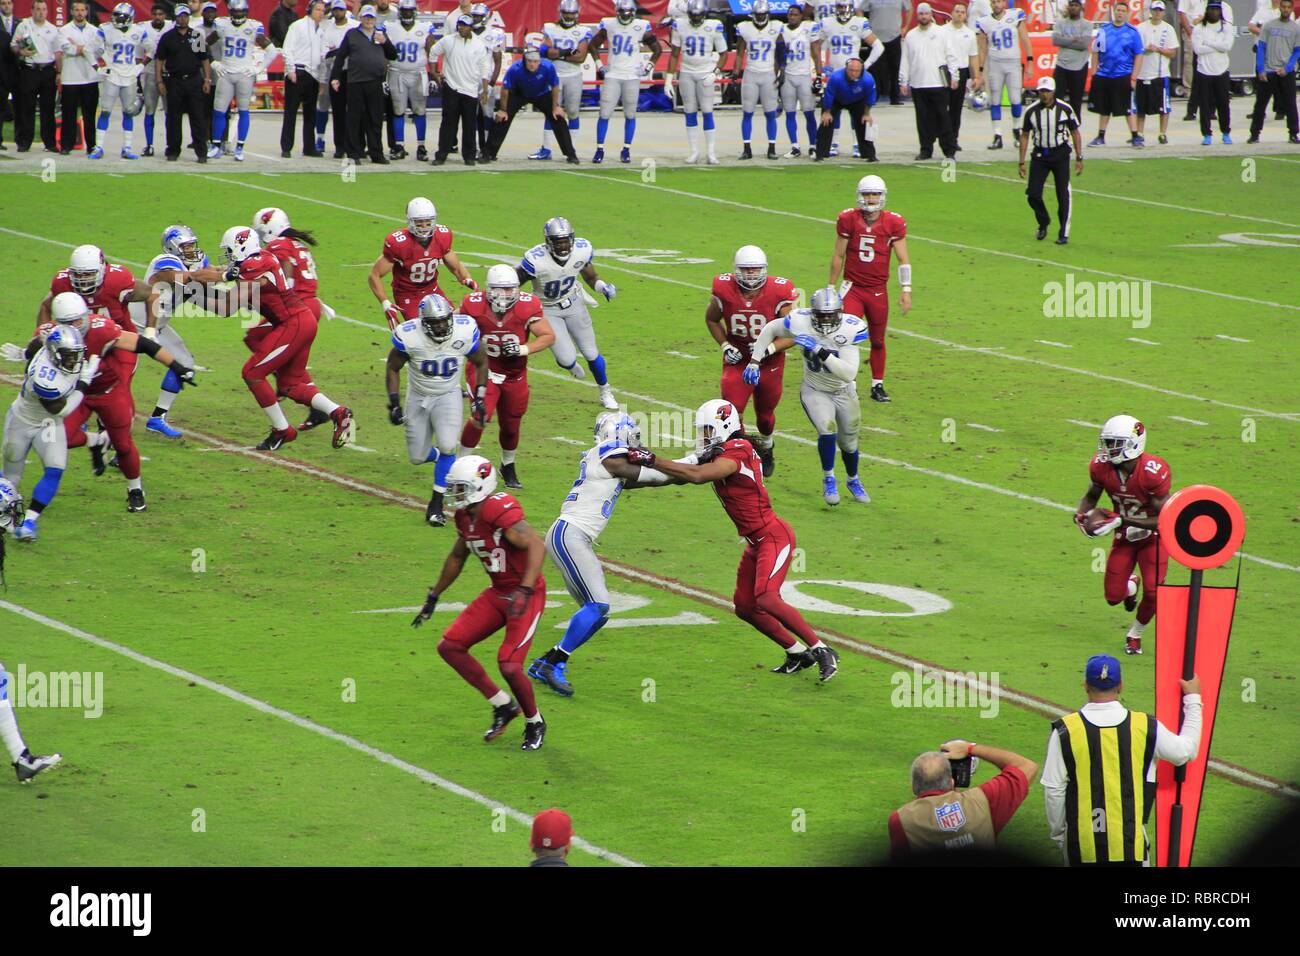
x=770 y=331
x=877 y=51
x=1005 y=792
x=1182 y=747
x=1054 y=781
x=845 y=365
x=651 y=476
x=1260 y=47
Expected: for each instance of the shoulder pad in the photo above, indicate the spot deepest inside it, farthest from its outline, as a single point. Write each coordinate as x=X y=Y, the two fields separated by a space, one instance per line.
x=537 y=252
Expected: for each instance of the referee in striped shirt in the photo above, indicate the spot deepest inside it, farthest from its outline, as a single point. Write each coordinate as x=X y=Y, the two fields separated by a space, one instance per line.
x=1053 y=126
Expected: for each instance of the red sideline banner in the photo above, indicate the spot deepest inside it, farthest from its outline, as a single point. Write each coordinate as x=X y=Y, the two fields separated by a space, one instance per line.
x=1215 y=625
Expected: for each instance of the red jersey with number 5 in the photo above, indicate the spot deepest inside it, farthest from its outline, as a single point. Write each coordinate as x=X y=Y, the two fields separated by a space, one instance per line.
x=277 y=302
x=484 y=535
x=1132 y=496
x=100 y=331
x=742 y=493
x=495 y=330
x=866 y=260
x=110 y=297
x=743 y=315
x=304 y=266
x=415 y=263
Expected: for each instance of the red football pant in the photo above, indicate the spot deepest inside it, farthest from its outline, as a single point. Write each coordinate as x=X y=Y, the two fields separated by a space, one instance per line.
x=872 y=305
x=511 y=399
x=767 y=393
x=283 y=351
x=762 y=571
x=409 y=305
x=486 y=615
x=1150 y=560
x=313 y=305
x=116 y=412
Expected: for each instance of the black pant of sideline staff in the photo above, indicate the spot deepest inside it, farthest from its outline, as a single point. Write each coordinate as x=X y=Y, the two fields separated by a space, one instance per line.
x=35 y=85
x=1214 y=93
x=932 y=122
x=303 y=92
x=365 y=117
x=457 y=108
x=83 y=97
x=885 y=71
x=956 y=101
x=1057 y=163
x=497 y=135
x=1070 y=86
x=1281 y=90
x=339 y=117
x=825 y=134
x=185 y=97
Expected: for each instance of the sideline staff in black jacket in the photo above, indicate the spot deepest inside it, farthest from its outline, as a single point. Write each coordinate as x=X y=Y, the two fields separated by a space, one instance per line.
x=364 y=54
x=183 y=70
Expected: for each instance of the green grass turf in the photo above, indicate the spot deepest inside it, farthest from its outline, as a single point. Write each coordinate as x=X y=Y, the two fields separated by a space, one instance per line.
x=715 y=768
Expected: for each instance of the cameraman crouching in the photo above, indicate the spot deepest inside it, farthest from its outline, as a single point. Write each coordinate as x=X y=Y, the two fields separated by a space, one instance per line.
x=943 y=817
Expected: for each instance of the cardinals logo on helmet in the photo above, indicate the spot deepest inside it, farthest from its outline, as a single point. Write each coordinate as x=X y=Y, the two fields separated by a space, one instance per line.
x=485 y=469
x=724 y=412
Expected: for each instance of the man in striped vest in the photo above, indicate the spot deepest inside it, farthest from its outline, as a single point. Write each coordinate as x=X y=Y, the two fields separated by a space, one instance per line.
x=1099 y=777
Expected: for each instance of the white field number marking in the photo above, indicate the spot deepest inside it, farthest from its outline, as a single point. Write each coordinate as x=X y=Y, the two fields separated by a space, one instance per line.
x=917 y=601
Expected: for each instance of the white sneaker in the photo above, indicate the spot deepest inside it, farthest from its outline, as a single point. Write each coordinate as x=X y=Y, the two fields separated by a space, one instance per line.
x=713 y=160
x=239 y=154
x=214 y=151
x=607 y=397
x=692 y=159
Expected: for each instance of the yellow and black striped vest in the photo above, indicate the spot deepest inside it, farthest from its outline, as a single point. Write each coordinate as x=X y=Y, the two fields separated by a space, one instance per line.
x=1108 y=798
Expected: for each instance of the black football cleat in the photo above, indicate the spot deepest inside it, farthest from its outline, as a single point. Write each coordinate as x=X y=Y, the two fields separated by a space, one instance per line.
x=828 y=662
x=997 y=143
x=878 y=394
x=768 y=457
x=97 y=464
x=794 y=663
x=421 y=155
x=771 y=151
x=1041 y=234
x=29 y=765
x=433 y=513
x=534 y=734
x=1062 y=241
x=509 y=476
x=314 y=418
x=277 y=439
x=746 y=153
x=135 y=500
x=500 y=717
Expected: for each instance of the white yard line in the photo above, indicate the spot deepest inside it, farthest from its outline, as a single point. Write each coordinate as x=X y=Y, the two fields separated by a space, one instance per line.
x=382 y=756
x=1189 y=421
x=1075 y=421
x=1231 y=338
x=1141 y=341
x=983 y=428
x=683 y=355
x=1056 y=345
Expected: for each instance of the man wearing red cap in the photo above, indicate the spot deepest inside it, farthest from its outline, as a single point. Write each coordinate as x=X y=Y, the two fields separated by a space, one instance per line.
x=552 y=834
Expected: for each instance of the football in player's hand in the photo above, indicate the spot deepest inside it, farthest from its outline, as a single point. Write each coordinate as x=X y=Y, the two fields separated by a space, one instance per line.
x=1099 y=521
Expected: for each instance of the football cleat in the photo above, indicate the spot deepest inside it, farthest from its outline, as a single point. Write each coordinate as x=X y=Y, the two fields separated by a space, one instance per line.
x=828 y=662
x=158 y=424
x=1162 y=139
x=314 y=417
x=552 y=675
x=397 y=152
x=858 y=492
x=148 y=151
x=878 y=394
x=433 y=513
x=624 y=156
x=1138 y=141
x=127 y=154
x=599 y=156
x=856 y=153
x=214 y=151
x=1098 y=140
x=239 y=154
x=768 y=457
x=1041 y=234
x=692 y=159
x=771 y=151
x=509 y=476
x=320 y=144
x=421 y=154
x=542 y=154
x=835 y=149
x=135 y=500
x=997 y=143
x=830 y=490
x=96 y=153
x=500 y=717
x=746 y=153
x=1131 y=599
x=277 y=439
x=534 y=734
x=793 y=153
x=344 y=427
x=97 y=463
x=1207 y=140
x=607 y=397
x=794 y=663
x=26 y=531
x=1132 y=645
x=29 y=766
x=713 y=160
x=1227 y=140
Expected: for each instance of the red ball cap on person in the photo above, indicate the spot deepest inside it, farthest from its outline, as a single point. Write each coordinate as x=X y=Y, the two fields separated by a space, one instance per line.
x=552 y=829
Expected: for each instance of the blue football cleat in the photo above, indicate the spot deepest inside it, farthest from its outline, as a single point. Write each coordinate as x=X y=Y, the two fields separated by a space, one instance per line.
x=1207 y=140
x=625 y=156
x=858 y=492
x=830 y=490
x=1227 y=140
x=600 y=156
x=96 y=153
x=320 y=144
x=26 y=531
x=127 y=154
x=543 y=153
x=159 y=424
x=552 y=675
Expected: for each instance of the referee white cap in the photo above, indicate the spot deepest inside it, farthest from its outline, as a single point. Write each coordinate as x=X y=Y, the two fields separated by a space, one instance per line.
x=1047 y=83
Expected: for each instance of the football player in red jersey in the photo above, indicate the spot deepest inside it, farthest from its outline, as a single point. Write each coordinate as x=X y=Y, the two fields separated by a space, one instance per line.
x=108 y=394
x=727 y=460
x=744 y=301
x=1138 y=485
x=281 y=345
x=293 y=248
x=863 y=240
x=413 y=255
x=491 y=524
x=505 y=317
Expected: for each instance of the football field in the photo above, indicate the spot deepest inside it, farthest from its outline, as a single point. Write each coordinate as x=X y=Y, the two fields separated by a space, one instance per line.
x=265 y=701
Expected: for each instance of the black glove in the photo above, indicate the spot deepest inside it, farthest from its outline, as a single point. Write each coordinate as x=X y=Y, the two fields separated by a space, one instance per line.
x=519 y=599
x=394 y=409
x=184 y=374
x=706 y=456
x=510 y=348
x=426 y=612
x=232 y=272
x=478 y=410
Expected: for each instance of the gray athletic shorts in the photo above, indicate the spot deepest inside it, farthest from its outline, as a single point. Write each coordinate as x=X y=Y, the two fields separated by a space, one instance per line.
x=408 y=90
x=614 y=91
x=236 y=86
x=797 y=93
x=699 y=90
x=575 y=555
x=574 y=332
x=756 y=87
x=48 y=439
x=834 y=413
x=433 y=421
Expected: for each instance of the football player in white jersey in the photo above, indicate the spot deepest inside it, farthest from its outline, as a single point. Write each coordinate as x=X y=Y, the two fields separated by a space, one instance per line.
x=435 y=347
x=125 y=49
x=236 y=69
x=55 y=384
x=158 y=25
x=25 y=762
x=800 y=51
x=567 y=41
x=604 y=473
x=408 y=77
x=626 y=35
x=829 y=394
x=554 y=268
x=843 y=34
x=494 y=38
x=756 y=43
x=1003 y=42
x=697 y=43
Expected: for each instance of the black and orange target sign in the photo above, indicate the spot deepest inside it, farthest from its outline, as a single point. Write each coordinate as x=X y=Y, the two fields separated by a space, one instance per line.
x=1201 y=526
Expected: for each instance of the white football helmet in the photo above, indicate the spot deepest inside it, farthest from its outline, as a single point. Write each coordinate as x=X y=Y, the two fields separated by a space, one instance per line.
x=238 y=243
x=1123 y=438
x=421 y=217
x=615 y=426
x=750 y=268
x=502 y=288
x=870 y=186
x=67 y=348
x=270 y=223
x=86 y=269
x=715 y=422
x=469 y=480
x=68 y=308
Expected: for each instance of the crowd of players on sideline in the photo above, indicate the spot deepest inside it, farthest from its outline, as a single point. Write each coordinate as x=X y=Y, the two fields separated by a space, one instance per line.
x=803 y=66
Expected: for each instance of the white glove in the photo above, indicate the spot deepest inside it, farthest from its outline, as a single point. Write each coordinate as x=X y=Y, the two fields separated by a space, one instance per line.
x=607 y=289
x=90 y=369
x=149 y=333
x=12 y=353
x=732 y=355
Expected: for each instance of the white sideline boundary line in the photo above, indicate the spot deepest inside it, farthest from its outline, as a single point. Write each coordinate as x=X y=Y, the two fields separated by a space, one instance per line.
x=348 y=741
